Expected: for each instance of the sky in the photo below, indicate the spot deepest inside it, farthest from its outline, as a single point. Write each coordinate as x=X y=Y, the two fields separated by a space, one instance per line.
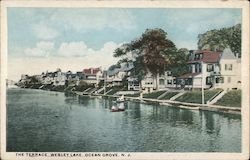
x=41 y=39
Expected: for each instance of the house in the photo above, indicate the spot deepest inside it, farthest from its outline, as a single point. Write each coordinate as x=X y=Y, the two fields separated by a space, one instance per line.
x=133 y=84
x=229 y=75
x=59 y=78
x=209 y=69
x=195 y=76
x=92 y=75
x=115 y=77
x=48 y=78
x=159 y=82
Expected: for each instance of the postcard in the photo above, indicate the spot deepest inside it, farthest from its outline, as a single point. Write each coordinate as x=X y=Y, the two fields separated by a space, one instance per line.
x=124 y=80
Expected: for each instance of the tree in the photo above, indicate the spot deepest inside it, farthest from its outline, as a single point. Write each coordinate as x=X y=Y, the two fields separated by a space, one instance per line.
x=219 y=39
x=180 y=59
x=151 y=52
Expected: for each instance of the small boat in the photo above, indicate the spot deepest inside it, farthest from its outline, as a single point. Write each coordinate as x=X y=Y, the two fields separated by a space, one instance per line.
x=120 y=108
x=114 y=109
x=121 y=99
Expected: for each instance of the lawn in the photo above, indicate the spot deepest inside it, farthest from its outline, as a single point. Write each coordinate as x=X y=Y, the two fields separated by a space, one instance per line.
x=153 y=95
x=230 y=99
x=196 y=96
x=114 y=90
x=169 y=95
x=133 y=95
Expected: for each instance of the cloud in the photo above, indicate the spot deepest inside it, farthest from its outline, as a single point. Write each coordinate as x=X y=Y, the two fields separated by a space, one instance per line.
x=43 y=31
x=102 y=57
x=42 y=49
x=94 y=19
x=73 y=49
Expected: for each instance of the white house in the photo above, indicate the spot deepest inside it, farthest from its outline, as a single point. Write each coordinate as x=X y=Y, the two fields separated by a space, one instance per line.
x=59 y=78
x=160 y=82
x=209 y=69
x=115 y=77
x=202 y=65
x=229 y=76
x=133 y=84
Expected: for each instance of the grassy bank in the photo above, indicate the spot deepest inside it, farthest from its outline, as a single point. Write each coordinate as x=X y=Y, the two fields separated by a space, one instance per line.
x=169 y=95
x=196 y=96
x=153 y=95
x=231 y=99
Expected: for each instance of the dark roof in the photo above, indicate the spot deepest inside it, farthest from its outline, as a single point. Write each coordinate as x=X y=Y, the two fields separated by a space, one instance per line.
x=208 y=56
x=189 y=75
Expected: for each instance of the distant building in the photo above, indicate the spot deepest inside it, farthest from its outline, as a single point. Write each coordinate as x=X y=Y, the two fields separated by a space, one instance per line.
x=116 y=76
x=133 y=84
x=92 y=75
x=59 y=78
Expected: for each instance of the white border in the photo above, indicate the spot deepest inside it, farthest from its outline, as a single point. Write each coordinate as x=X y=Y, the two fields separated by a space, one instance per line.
x=137 y=4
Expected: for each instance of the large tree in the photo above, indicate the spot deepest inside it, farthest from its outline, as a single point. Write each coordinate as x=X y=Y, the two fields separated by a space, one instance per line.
x=152 y=52
x=219 y=39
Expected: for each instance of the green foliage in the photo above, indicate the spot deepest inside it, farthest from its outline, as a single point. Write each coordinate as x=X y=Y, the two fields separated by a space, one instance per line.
x=231 y=99
x=219 y=39
x=179 y=59
x=83 y=86
x=132 y=95
x=33 y=79
x=114 y=66
x=152 y=52
x=196 y=96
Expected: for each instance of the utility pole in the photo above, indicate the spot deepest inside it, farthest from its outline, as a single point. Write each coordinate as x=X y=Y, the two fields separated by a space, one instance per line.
x=202 y=83
x=105 y=79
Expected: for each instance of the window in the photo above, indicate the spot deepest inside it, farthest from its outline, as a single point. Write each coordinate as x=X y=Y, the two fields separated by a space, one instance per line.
x=169 y=81
x=197 y=68
x=198 y=56
x=169 y=73
x=161 y=81
x=210 y=67
x=189 y=81
x=174 y=81
x=228 y=67
x=228 y=79
x=219 y=80
x=209 y=80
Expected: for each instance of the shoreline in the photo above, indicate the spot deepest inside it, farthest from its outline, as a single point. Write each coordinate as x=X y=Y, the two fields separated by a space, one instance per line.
x=183 y=105
x=169 y=103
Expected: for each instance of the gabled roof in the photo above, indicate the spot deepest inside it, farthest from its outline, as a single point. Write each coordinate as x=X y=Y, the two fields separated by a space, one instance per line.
x=208 y=56
x=227 y=54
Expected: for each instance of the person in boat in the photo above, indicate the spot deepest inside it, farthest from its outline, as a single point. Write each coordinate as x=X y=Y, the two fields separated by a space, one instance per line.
x=121 y=99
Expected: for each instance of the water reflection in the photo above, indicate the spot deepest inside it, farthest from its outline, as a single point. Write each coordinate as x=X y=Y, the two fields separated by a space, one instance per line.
x=69 y=122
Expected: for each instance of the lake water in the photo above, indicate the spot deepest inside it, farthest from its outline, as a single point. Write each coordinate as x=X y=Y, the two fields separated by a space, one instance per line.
x=54 y=122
